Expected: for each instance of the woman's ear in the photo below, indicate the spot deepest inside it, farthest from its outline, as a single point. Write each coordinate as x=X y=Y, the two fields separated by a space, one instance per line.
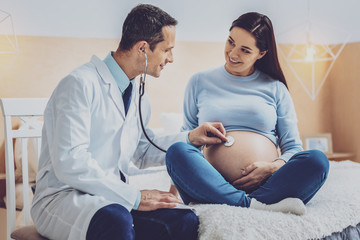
x=262 y=54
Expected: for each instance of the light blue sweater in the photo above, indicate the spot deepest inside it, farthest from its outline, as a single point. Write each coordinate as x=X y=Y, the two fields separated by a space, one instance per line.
x=254 y=103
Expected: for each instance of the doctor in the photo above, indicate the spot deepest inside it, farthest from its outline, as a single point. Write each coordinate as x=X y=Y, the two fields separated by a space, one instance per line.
x=91 y=132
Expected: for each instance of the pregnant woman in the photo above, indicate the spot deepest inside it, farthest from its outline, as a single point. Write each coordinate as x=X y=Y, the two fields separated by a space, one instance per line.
x=263 y=165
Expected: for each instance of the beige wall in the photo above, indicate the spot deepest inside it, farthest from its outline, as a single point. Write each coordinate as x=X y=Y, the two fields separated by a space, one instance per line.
x=345 y=101
x=313 y=115
x=43 y=61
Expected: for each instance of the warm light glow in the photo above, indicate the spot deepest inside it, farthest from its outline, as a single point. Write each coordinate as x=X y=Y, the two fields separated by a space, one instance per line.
x=310 y=53
x=302 y=52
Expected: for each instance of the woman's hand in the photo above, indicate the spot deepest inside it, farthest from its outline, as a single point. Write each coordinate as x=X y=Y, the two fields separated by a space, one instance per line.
x=255 y=174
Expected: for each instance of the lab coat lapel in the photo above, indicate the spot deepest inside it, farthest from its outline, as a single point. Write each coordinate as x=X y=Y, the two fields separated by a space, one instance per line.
x=131 y=132
x=108 y=79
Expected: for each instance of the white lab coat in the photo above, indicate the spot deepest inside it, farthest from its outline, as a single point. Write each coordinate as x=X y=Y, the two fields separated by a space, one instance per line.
x=86 y=141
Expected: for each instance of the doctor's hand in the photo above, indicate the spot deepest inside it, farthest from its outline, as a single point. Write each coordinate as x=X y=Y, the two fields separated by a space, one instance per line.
x=256 y=174
x=208 y=133
x=155 y=199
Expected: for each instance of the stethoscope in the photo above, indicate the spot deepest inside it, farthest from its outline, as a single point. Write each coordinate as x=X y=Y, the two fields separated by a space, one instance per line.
x=141 y=93
x=229 y=143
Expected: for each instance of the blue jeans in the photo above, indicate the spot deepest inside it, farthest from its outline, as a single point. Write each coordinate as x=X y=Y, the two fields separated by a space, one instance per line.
x=116 y=222
x=198 y=181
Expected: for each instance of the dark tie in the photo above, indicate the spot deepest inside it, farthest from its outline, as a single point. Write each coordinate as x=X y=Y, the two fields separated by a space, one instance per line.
x=122 y=176
x=127 y=97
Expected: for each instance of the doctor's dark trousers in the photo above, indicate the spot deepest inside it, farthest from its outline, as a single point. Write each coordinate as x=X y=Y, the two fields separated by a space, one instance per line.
x=115 y=222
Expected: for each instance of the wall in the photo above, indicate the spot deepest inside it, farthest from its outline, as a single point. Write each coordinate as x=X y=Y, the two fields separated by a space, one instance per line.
x=43 y=61
x=345 y=101
x=313 y=115
x=102 y=19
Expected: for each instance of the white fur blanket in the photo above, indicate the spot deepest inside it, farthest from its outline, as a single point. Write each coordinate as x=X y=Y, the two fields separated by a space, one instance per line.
x=335 y=207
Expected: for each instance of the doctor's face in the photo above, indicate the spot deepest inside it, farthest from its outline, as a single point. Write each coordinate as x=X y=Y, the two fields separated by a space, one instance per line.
x=162 y=53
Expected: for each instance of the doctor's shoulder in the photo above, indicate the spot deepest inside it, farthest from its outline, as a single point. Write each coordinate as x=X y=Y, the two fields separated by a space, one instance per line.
x=81 y=80
x=87 y=74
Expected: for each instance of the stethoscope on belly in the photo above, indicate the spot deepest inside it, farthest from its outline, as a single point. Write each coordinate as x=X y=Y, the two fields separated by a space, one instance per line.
x=141 y=93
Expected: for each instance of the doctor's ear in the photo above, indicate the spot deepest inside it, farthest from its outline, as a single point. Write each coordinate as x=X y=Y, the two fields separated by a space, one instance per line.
x=141 y=47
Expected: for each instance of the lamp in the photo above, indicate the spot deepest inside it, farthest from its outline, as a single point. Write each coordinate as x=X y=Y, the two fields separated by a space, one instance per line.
x=8 y=43
x=309 y=57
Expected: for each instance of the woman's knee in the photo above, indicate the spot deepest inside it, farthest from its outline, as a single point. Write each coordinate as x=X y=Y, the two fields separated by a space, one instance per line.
x=313 y=162
x=318 y=161
x=176 y=149
x=176 y=152
x=110 y=222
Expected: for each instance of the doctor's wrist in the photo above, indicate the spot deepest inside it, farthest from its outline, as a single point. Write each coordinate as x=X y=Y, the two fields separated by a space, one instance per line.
x=190 y=143
x=137 y=202
x=188 y=140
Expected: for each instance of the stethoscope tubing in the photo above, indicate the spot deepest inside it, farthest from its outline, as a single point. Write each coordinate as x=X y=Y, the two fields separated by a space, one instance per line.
x=141 y=93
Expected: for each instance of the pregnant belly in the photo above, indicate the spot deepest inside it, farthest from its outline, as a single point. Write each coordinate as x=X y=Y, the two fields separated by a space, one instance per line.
x=249 y=147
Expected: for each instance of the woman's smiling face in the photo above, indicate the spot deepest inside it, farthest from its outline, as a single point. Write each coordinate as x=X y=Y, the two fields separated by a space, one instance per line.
x=241 y=52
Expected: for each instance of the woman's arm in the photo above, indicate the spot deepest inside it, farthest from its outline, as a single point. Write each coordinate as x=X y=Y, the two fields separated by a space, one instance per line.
x=190 y=105
x=286 y=128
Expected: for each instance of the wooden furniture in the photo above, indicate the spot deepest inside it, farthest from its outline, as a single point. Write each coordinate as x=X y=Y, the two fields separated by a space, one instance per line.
x=29 y=110
x=337 y=156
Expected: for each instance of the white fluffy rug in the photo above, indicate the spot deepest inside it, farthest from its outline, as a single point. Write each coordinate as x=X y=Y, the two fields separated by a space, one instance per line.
x=335 y=207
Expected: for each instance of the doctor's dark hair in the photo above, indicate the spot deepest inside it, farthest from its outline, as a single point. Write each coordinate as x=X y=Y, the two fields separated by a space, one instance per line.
x=145 y=23
x=261 y=28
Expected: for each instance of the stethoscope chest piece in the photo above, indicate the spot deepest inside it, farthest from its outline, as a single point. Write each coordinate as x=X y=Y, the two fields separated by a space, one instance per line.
x=230 y=141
